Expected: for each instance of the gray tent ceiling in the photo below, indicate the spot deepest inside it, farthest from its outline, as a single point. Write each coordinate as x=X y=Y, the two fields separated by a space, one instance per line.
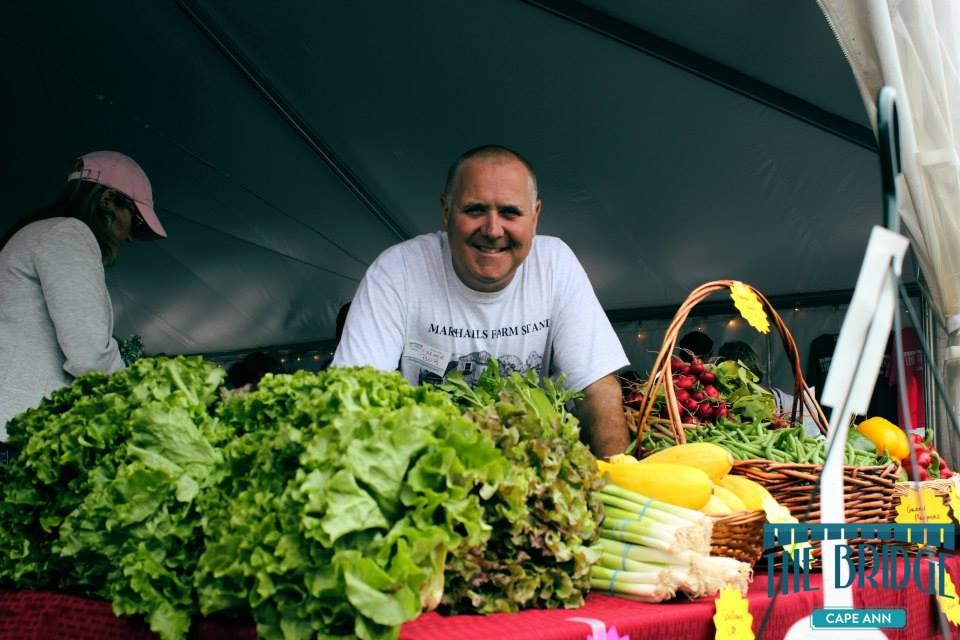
x=289 y=143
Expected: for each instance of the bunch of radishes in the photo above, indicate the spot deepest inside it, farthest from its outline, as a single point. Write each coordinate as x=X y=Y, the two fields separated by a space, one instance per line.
x=698 y=399
x=930 y=465
x=630 y=384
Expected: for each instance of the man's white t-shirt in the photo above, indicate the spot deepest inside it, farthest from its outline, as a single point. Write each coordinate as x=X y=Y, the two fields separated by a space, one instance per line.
x=412 y=312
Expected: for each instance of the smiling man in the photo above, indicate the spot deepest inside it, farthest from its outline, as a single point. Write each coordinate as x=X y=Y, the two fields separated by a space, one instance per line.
x=488 y=286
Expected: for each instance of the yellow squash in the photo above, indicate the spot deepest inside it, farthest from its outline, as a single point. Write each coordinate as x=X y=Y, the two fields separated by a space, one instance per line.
x=672 y=483
x=729 y=498
x=750 y=493
x=716 y=507
x=713 y=459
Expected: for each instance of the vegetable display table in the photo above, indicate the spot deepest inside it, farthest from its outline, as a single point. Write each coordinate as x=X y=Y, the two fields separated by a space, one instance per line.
x=35 y=615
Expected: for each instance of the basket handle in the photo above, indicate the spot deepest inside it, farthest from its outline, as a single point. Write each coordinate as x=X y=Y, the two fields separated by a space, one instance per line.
x=803 y=398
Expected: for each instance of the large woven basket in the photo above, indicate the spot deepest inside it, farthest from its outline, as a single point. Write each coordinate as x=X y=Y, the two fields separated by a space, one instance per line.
x=867 y=494
x=868 y=490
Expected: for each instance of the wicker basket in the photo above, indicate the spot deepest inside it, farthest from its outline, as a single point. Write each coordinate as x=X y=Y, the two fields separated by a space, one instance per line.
x=941 y=488
x=868 y=490
x=738 y=536
x=803 y=398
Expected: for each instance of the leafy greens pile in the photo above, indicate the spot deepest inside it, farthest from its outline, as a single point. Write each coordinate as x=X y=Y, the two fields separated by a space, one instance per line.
x=741 y=388
x=333 y=505
x=544 y=515
x=342 y=499
x=101 y=498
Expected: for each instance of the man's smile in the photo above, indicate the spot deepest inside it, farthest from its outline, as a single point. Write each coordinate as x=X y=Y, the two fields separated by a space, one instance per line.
x=489 y=248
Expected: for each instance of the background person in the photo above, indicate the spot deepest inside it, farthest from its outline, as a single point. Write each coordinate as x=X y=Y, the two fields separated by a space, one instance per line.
x=695 y=344
x=338 y=333
x=248 y=371
x=56 y=317
x=488 y=286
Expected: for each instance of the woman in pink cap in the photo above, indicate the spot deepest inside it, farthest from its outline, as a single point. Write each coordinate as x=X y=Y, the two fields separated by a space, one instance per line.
x=56 y=318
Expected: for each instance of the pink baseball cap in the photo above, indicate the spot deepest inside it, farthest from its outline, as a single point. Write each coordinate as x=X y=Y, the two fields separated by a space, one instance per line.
x=117 y=171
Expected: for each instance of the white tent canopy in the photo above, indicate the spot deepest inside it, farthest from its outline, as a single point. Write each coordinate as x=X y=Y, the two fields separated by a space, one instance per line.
x=290 y=143
x=915 y=48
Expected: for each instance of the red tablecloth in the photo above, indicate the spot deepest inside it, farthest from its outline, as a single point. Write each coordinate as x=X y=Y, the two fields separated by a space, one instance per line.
x=33 y=615
x=677 y=620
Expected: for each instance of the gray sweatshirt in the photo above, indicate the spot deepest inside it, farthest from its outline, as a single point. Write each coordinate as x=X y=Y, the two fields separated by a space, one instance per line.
x=56 y=318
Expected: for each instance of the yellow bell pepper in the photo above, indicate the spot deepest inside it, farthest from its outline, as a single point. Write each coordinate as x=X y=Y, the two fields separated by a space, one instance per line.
x=886 y=437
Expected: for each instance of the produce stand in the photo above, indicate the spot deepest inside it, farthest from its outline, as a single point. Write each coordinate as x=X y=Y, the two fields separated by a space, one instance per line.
x=36 y=615
x=673 y=547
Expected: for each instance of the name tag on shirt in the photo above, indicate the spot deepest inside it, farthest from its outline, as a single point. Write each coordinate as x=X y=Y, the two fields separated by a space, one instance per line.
x=430 y=358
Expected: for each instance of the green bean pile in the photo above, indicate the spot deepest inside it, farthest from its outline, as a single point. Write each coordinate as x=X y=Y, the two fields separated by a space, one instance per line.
x=750 y=441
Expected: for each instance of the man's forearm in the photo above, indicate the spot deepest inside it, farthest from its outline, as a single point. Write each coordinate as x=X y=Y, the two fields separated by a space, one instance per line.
x=601 y=418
